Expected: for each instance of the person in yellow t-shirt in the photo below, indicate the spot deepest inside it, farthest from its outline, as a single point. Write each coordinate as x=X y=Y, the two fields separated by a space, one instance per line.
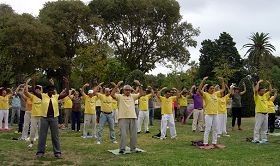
x=167 y=116
x=4 y=107
x=211 y=106
x=144 y=111
x=183 y=106
x=36 y=113
x=271 y=112
x=222 y=114
x=90 y=112
x=261 y=98
x=106 y=114
x=115 y=110
x=67 y=105
x=127 y=119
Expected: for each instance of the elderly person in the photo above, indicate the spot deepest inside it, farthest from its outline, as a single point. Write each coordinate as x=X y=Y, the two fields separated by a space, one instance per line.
x=126 y=114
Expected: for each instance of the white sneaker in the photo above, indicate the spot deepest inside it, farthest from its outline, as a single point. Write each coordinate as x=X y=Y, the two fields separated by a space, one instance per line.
x=114 y=142
x=162 y=138
x=27 y=139
x=83 y=136
x=98 y=142
x=226 y=135
x=30 y=145
x=174 y=137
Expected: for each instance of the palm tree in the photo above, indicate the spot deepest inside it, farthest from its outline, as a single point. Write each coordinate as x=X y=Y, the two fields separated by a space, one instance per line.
x=260 y=50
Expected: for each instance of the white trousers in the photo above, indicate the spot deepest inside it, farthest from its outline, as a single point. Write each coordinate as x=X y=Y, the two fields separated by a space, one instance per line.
x=89 y=119
x=167 y=118
x=211 y=122
x=198 y=118
x=34 y=129
x=222 y=123
x=143 y=117
x=4 y=114
x=261 y=127
x=115 y=114
x=27 y=120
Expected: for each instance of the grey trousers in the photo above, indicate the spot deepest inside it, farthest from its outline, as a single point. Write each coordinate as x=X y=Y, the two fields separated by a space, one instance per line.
x=15 y=110
x=261 y=127
x=67 y=116
x=128 y=125
x=45 y=123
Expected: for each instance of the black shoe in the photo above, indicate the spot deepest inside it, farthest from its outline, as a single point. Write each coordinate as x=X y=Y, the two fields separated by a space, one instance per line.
x=135 y=151
x=138 y=132
x=121 y=152
x=57 y=155
x=40 y=155
x=147 y=132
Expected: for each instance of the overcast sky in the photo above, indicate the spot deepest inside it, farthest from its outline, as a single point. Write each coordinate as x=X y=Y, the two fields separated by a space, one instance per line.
x=239 y=18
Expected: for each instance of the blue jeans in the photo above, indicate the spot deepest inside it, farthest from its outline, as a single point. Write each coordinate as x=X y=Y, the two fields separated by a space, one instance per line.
x=151 y=116
x=103 y=119
x=45 y=123
x=76 y=116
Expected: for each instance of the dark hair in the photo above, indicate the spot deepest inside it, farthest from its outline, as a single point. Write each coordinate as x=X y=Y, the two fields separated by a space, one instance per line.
x=260 y=88
x=208 y=87
x=50 y=88
x=167 y=91
x=37 y=87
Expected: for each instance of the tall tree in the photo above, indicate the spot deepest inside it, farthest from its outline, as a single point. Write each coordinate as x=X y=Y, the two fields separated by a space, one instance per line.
x=217 y=52
x=259 y=49
x=70 y=23
x=143 y=32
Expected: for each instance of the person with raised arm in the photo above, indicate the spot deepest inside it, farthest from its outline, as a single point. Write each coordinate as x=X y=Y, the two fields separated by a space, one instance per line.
x=271 y=112
x=198 y=115
x=90 y=112
x=236 y=105
x=261 y=97
x=127 y=118
x=4 y=107
x=211 y=106
x=106 y=114
x=183 y=105
x=49 y=118
x=167 y=116
x=36 y=111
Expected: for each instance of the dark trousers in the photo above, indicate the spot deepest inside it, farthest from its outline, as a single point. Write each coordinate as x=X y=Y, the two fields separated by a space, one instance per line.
x=60 y=119
x=151 y=116
x=76 y=117
x=236 y=113
x=98 y=111
x=21 y=121
x=271 y=122
x=45 y=124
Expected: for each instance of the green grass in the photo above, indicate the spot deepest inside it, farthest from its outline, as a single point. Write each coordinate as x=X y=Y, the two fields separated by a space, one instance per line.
x=78 y=151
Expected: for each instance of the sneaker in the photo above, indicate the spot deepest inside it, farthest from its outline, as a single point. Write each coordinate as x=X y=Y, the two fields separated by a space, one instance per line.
x=264 y=141
x=30 y=146
x=240 y=128
x=98 y=142
x=138 y=132
x=226 y=135
x=114 y=142
x=121 y=152
x=255 y=141
x=27 y=139
x=135 y=151
x=162 y=138
x=174 y=137
x=83 y=136
x=218 y=135
x=193 y=131
x=147 y=132
x=40 y=155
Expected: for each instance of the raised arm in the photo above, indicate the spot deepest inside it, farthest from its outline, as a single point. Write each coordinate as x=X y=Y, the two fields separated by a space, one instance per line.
x=274 y=96
x=159 y=92
x=201 y=85
x=64 y=93
x=222 y=83
x=83 y=89
x=270 y=86
x=26 y=93
x=244 y=89
x=257 y=86
x=140 y=87
x=115 y=89
x=39 y=95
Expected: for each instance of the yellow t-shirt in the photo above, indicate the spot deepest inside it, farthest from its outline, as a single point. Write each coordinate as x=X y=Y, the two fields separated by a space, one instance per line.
x=126 y=106
x=222 y=101
x=166 y=104
x=45 y=104
x=270 y=106
x=106 y=102
x=36 y=106
x=144 y=102
x=67 y=102
x=4 y=102
x=114 y=104
x=98 y=102
x=261 y=103
x=183 y=101
x=90 y=104
x=211 y=104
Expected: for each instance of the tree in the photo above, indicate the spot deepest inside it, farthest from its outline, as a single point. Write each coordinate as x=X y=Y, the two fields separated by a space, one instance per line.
x=70 y=23
x=143 y=32
x=259 y=49
x=25 y=46
x=217 y=52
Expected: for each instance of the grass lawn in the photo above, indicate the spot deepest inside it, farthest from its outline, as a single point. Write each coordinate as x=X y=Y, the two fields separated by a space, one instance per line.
x=78 y=151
